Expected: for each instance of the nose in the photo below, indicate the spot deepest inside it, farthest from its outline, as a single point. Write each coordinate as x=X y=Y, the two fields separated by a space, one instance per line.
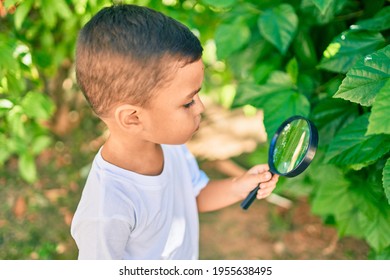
x=200 y=107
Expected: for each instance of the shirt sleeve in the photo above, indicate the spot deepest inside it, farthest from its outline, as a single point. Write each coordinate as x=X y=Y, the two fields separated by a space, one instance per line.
x=198 y=177
x=101 y=239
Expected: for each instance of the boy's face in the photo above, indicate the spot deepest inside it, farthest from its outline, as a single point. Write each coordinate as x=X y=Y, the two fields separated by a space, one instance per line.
x=173 y=115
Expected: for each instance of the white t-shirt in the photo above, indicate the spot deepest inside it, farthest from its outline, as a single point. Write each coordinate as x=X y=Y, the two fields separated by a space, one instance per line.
x=125 y=215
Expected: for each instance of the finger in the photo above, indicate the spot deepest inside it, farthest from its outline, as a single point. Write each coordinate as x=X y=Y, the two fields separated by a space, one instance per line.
x=261 y=194
x=271 y=181
x=268 y=185
x=264 y=177
x=257 y=169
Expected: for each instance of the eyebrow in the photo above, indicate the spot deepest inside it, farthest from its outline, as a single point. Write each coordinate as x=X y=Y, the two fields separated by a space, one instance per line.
x=193 y=93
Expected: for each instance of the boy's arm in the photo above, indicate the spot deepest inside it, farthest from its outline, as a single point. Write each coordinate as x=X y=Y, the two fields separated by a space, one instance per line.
x=221 y=193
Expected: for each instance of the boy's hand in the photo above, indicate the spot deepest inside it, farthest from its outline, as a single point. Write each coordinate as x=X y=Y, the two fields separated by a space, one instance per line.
x=250 y=179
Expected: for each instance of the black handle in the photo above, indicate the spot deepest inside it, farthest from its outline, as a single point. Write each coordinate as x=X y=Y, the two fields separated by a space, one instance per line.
x=249 y=199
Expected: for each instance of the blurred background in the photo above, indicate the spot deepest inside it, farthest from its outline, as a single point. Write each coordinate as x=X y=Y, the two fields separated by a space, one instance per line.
x=265 y=61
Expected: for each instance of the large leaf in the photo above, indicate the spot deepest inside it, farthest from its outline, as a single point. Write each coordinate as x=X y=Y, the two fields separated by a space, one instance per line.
x=380 y=113
x=380 y=22
x=27 y=168
x=279 y=101
x=332 y=192
x=283 y=106
x=352 y=148
x=343 y=52
x=38 y=105
x=319 y=12
x=366 y=78
x=223 y=4
x=278 y=26
x=7 y=48
x=21 y=12
x=257 y=95
x=330 y=115
x=386 y=179
x=376 y=223
x=230 y=38
x=322 y=5
x=357 y=210
x=383 y=254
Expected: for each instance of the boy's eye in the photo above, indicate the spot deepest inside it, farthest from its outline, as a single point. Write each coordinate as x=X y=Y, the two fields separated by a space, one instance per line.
x=188 y=105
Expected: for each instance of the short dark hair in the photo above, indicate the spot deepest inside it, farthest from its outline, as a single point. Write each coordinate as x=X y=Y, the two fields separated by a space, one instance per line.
x=123 y=54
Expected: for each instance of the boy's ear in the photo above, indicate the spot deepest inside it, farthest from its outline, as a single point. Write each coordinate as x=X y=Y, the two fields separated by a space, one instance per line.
x=127 y=117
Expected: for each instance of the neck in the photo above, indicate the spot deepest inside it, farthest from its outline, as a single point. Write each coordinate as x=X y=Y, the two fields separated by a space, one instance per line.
x=141 y=157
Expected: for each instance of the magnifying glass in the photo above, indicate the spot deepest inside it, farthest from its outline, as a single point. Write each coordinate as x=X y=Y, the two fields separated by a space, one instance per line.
x=292 y=149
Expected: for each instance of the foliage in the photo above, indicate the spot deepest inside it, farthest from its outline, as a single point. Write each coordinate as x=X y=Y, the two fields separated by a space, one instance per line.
x=327 y=60
x=36 y=49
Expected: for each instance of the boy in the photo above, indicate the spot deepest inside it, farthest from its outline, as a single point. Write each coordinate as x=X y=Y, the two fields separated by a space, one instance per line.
x=141 y=72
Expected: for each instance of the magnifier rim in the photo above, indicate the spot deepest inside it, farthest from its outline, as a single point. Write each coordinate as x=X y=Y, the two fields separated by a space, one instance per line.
x=311 y=150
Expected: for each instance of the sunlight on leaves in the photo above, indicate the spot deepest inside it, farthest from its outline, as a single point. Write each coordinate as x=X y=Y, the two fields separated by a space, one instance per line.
x=332 y=50
x=366 y=78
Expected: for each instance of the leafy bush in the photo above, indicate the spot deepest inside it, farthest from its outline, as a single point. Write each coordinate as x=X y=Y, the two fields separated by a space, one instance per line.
x=329 y=61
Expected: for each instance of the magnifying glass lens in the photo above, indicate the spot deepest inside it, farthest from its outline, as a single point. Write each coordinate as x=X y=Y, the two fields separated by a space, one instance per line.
x=291 y=146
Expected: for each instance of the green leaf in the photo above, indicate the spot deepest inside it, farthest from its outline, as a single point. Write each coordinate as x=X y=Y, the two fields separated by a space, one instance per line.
x=332 y=195
x=322 y=5
x=352 y=148
x=40 y=143
x=372 y=212
x=317 y=12
x=9 y=3
x=257 y=95
x=283 y=106
x=38 y=106
x=16 y=119
x=281 y=78
x=379 y=121
x=222 y=4
x=278 y=26
x=230 y=38
x=330 y=115
x=380 y=22
x=27 y=168
x=7 y=48
x=293 y=70
x=383 y=254
x=62 y=9
x=366 y=78
x=6 y=104
x=386 y=179
x=350 y=222
x=5 y=152
x=343 y=52
x=279 y=102
x=48 y=13
x=376 y=223
x=21 y=12
x=304 y=49
x=251 y=57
